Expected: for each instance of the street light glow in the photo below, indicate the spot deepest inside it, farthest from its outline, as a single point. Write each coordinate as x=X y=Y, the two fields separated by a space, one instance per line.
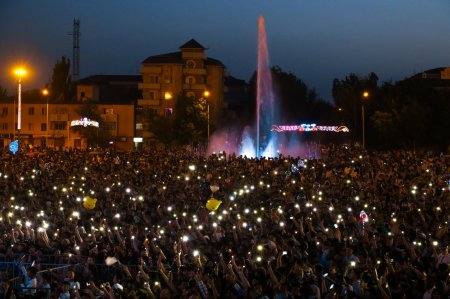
x=365 y=94
x=20 y=72
x=206 y=93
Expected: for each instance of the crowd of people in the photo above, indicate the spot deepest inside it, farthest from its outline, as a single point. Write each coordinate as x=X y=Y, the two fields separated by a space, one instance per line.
x=346 y=224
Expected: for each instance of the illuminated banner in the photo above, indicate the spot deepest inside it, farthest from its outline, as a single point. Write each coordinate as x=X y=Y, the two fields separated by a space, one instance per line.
x=84 y=122
x=309 y=128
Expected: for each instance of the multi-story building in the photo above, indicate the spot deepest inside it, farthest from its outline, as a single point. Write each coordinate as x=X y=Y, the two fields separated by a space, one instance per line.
x=52 y=124
x=187 y=72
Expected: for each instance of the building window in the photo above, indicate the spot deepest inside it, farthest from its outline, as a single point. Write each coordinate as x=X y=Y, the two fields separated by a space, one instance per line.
x=43 y=127
x=4 y=126
x=139 y=126
x=61 y=110
x=152 y=95
x=190 y=64
x=153 y=79
x=60 y=125
x=31 y=111
x=110 y=125
x=168 y=111
x=5 y=111
x=44 y=111
x=109 y=111
x=190 y=80
x=30 y=127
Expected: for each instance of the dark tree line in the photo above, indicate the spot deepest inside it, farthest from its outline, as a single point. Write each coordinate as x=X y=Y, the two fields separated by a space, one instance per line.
x=408 y=114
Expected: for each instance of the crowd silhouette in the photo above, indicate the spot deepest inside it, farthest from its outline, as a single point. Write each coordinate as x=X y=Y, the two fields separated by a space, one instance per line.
x=346 y=224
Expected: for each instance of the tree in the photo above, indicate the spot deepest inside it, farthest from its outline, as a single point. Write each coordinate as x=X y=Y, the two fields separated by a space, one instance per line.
x=61 y=80
x=162 y=128
x=94 y=136
x=347 y=95
x=190 y=122
x=294 y=99
x=3 y=94
x=187 y=125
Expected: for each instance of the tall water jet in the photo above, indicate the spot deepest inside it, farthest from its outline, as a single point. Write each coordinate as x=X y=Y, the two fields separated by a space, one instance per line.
x=264 y=96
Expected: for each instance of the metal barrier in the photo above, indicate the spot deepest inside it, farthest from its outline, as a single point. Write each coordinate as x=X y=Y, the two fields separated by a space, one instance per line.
x=58 y=272
x=19 y=289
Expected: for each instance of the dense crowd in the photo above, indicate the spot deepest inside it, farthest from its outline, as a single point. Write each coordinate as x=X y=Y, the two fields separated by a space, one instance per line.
x=346 y=224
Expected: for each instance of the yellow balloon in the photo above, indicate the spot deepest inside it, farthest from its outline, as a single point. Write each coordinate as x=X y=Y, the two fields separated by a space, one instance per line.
x=213 y=204
x=89 y=203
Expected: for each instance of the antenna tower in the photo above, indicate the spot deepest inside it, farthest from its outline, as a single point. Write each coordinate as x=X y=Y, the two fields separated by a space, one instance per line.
x=76 y=50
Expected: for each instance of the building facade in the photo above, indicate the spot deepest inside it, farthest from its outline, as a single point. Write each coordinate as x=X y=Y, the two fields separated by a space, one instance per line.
x=188 y=72
x=52 y=124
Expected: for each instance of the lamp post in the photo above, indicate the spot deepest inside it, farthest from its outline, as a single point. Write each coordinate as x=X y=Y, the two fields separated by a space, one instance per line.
x=20 y=72
x=206 y=95
x=365 y=96
x=45 y=94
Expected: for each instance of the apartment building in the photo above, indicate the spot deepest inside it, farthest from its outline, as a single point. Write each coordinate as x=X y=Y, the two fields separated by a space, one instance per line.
x=188 y=72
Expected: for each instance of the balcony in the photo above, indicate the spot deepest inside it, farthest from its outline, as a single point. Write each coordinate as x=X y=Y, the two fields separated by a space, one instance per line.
x=200 y=72
x=194 y=86
x=58 y=117
x=149 y=86
x=142 y=102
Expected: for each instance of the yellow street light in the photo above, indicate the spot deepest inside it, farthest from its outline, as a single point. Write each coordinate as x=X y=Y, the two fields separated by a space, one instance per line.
x=167 y=95
x=45 y=93
x=19 y=72
x=206 y=95
x=365 y=97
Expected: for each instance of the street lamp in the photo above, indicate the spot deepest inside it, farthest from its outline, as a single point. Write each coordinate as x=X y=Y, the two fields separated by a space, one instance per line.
x=365 y=96
x=45 y=93
x=206 y=95
x=20 y=72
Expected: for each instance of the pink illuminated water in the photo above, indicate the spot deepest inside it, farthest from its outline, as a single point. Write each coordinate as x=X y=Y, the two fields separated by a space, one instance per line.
x=264 y=143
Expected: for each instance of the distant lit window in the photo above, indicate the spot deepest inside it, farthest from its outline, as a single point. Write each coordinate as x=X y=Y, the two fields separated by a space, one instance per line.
x=31 y=111
x=168 y=111
x=139 y=126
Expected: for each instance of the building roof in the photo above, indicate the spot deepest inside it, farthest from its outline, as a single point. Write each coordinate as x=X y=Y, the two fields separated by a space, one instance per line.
x=167 y=58
x=176 y=58
x=192 y=44
x=110 y=79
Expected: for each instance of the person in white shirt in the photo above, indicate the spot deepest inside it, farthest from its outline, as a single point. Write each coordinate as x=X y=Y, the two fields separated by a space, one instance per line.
x=30 y=283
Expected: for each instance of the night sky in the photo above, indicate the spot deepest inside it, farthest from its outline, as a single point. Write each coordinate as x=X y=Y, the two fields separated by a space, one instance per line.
x=317 y=40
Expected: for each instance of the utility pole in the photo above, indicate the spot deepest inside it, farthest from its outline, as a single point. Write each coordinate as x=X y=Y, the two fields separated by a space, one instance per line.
x=76 y=50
